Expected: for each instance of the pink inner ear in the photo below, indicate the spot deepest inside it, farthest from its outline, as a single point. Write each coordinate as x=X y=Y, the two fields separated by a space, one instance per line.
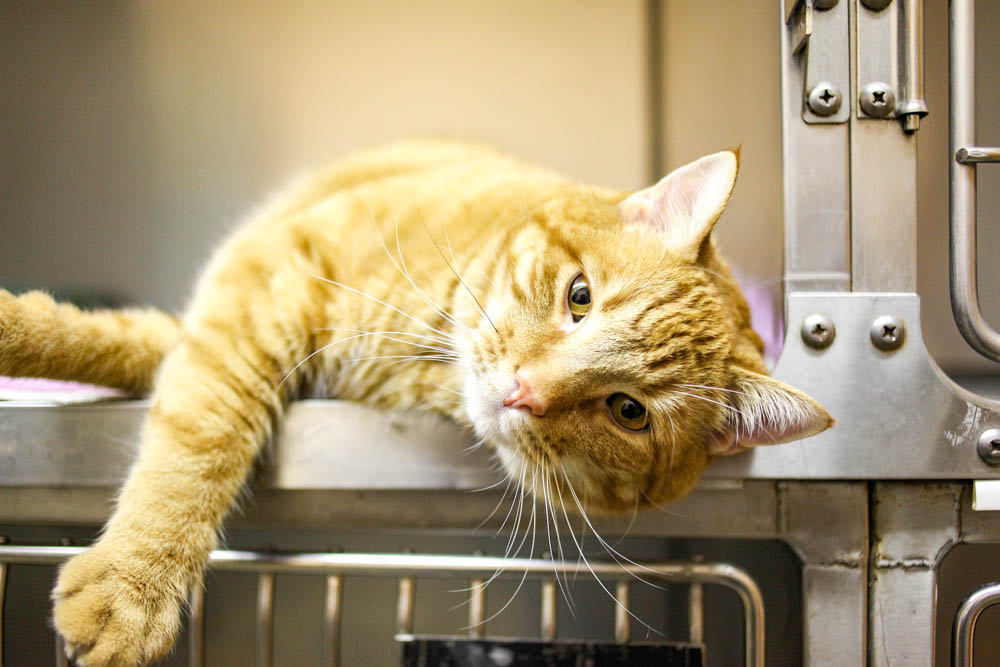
x=682 y=208
x=725 y=445
x=767 y=412
x=740 y=436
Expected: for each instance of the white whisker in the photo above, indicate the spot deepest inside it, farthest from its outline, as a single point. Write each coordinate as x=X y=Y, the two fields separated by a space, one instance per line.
x=705 y=386
x=406 y=274
x=381 y=302
x=548 y=535
x=497 y=507
x=708 y=400
x=614 y=553
x=531 y=551
x=460 y=279
x=433 y=339
x=594 y=574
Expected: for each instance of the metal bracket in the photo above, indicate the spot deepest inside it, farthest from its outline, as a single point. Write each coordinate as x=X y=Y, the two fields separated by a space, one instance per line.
x=898 y=416
x=820 y=41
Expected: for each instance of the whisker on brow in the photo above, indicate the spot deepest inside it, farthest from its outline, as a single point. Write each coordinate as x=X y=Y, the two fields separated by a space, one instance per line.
x=460 y=279
x=406 y=273
x=383 y=303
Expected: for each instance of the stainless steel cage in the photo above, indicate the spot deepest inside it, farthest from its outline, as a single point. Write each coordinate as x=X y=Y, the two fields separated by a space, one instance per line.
x=407 y=567
x=870 y=508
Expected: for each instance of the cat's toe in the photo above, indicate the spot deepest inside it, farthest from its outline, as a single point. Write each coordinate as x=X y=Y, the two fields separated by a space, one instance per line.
x=108 y=616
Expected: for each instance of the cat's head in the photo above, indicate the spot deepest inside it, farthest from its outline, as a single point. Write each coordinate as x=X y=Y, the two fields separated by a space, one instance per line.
x=623 y=360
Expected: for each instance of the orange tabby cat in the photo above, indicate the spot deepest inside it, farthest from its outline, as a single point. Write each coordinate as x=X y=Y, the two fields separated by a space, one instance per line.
x=594 y=337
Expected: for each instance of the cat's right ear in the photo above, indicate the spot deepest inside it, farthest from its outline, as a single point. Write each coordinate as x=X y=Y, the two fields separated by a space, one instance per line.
x=765 y=411
x=683 y=207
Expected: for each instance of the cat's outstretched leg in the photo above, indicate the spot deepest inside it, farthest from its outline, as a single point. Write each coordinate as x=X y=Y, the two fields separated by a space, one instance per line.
x=116 y=348
x=215 y=403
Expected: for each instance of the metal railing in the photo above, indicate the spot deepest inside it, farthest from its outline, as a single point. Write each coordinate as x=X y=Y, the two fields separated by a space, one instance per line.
x=965 y=622
x=965 y=155
x=407 y=567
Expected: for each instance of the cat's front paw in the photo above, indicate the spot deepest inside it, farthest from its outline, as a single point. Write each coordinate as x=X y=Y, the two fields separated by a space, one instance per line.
x=112 y=608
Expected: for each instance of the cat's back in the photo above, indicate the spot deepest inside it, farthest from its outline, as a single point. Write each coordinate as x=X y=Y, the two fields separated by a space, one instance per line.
x=336 y=222
x=427 y=166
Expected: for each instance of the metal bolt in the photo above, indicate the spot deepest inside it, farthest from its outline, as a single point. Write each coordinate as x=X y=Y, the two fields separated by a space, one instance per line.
x=888 y=332
x=988 y=446
x=824 y=99
x=876 y=5
x=818 y=331
x=824 y=4
x=878 y=99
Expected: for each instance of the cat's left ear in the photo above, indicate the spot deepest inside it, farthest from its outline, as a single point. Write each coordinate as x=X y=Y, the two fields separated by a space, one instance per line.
x=766 y=411
x=683 y=207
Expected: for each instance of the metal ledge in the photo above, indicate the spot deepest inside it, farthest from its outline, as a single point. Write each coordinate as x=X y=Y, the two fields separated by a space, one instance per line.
x=321 y=445
x=898 y=415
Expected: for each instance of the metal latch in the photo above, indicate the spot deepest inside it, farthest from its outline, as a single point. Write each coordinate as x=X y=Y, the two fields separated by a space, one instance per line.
x=888 y=37
x=891 y=61
x=820 y=37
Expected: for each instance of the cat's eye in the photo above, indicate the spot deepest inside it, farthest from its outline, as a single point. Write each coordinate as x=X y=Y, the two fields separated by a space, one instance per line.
x=628 y=412
x=578 y=298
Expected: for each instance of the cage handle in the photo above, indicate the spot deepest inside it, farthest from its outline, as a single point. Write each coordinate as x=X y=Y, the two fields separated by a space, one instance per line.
x=962 y=204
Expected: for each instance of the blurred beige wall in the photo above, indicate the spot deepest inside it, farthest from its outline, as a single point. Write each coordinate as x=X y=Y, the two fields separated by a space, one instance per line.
x=134 y=135
x=721 y=88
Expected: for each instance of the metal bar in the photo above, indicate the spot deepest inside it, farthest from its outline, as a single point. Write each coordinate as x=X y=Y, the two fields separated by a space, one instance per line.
x=265 y=619
x=696 y=613
x=477 y=608
x=550 y=619
x=882 y=165
x=911 y=526
x=911 y=106
x=61 y=659
x=331 y=620
x=404 y=606
x=962 y=204
x=448 y=566
x=815 y=166
x=623 y=625
x=196 y=627
x=654 y=88
x=3 y=590
x=977 y=154
x=965 y=622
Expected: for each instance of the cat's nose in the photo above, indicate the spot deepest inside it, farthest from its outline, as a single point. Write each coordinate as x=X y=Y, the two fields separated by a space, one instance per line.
x=523 y=396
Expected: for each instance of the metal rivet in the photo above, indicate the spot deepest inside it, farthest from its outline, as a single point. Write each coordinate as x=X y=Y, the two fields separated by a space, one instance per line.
x=818 y=331
x=888 y=332
x=825 y=4
x=878 y=99
x=988 y=446
x=824 y=99
x=876 y=5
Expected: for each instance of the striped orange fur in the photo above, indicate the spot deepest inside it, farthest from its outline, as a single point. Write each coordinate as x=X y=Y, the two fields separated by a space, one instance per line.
x=429 y=276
